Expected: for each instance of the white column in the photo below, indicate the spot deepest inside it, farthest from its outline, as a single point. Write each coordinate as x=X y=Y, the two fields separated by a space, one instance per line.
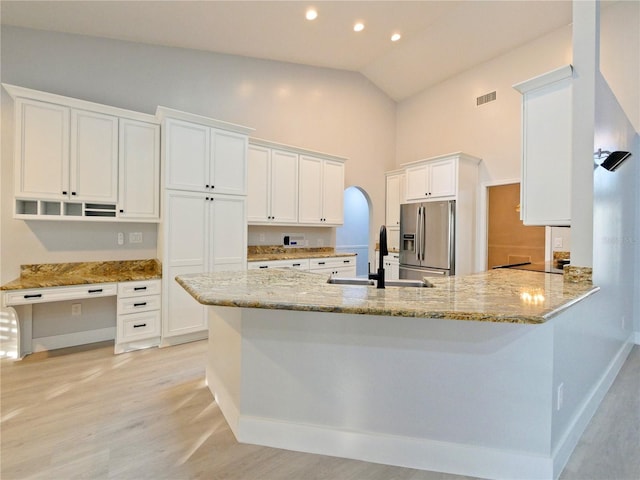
x=586 y=38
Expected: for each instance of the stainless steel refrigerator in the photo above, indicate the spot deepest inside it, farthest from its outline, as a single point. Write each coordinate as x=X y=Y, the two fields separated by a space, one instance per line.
x=427 y=239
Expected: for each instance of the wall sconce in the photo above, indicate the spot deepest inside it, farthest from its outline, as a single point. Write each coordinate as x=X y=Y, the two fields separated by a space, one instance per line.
x=612 y=161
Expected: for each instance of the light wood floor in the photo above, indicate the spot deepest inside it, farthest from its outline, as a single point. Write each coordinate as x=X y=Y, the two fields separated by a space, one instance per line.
x=86 y=413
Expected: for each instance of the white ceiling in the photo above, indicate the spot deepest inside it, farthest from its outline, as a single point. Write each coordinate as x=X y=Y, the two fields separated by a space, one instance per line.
x=439 y=38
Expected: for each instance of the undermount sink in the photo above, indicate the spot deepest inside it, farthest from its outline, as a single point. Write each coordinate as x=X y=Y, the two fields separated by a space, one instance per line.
x=388 y=283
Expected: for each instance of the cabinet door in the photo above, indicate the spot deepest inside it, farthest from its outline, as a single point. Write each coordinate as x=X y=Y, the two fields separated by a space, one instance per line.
x=187 y=153
x=185 y=252
x=284 y=187
x=546 y=166
x=333 y=193
x=416 y=182
x=310 y=190
x=41 y=150
x=393 y=201
x=228 y=167
x=139 y=170
x=442 y=178
x=258 y=208
x=227 y=229
x=94 y=157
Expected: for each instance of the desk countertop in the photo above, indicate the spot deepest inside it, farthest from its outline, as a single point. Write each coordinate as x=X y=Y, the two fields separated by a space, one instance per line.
x=84 y=273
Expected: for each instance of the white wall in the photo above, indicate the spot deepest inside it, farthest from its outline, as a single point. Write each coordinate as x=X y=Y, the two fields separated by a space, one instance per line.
x=321 y=109
x=445 y=118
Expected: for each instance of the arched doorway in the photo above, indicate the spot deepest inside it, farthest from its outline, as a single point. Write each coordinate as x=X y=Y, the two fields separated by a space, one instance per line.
x=353 y=235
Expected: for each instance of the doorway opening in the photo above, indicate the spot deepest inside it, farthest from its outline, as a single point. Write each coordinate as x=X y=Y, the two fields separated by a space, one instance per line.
x=508 y=240
x=353 y=235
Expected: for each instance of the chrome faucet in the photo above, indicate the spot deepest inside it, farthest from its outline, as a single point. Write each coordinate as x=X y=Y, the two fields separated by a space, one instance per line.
x=379 y=277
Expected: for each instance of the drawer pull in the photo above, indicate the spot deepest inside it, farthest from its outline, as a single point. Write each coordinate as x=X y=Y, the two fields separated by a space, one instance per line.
x=264 y=266
x=138 y=289
x=346 y=261
x=140 y=325
x=322 y=263
x=140 y=304
x=297 y=264
x=33 y=295
x=95 y=290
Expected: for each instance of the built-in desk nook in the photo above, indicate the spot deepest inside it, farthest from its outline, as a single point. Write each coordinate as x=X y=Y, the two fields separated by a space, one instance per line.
x=135 y=284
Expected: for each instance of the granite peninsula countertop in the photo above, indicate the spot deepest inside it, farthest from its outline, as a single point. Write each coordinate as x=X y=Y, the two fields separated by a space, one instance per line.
x=265 y=253
x=512 y=296
x=84 y=273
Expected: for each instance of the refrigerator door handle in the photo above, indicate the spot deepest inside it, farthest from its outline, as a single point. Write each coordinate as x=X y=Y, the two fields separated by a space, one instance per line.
x=422 y=212
x=416 y=245
x=423 y=233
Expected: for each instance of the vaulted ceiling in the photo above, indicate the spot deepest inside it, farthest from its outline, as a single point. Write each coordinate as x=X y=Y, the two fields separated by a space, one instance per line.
x=439 y=38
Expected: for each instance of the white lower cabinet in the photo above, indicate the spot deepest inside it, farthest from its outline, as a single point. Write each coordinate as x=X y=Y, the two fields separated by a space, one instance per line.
x=339 y=266
x=138 y=321
x=391 y=265
x=202 y=233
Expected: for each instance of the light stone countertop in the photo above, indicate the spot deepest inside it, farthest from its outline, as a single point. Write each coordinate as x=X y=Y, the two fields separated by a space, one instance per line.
x=264 y=253
x=84 y=273
x=511 y=296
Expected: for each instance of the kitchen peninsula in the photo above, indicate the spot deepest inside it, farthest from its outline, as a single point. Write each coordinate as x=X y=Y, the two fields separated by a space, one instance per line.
x=460 y=378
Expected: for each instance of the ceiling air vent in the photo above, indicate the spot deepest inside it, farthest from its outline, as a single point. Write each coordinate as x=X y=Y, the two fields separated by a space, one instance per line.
x=489 y=97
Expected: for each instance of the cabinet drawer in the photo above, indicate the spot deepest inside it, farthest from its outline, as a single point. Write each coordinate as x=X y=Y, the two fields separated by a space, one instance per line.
x=137 y=326
x=136 y=289
x=300 y=264
x=138 y=304
x=331 y=262
x=57 y=294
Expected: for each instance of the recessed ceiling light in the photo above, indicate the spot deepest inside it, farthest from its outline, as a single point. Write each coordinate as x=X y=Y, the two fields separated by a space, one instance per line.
x=395 y=37
x=358 y=27
x=311 y=14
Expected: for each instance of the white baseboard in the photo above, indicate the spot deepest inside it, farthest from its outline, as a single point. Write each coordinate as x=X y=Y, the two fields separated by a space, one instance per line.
x=72 y=339
x=583 y=416
x=178 y=339
x=423 y=454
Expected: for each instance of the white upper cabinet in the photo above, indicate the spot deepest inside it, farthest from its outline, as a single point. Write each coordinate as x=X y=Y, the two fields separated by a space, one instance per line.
x=228 y=166
x=204 y=159
x=429 y=180
x=78 y=160
x=294 y=186
x=272 y=186
x=139 y=170
x=188 y=150
x=94 y=157
x=321 y=191
x=41 y=149
x=395 y=197
x=545 y=192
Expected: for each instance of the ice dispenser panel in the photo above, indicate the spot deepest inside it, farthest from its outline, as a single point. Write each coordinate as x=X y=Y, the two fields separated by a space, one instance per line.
x=408 y=242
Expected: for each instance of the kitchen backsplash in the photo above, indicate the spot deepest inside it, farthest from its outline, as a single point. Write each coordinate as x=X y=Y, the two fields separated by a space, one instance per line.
x=302 y=236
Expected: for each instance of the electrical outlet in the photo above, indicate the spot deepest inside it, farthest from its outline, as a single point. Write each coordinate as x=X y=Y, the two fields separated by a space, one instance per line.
x=120 y=238
x=135 y=237
x=76 y=309
x=557 y=242
x=560 y=397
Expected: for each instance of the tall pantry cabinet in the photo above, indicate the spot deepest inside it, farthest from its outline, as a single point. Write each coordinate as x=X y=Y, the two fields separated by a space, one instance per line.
x=204 y=219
